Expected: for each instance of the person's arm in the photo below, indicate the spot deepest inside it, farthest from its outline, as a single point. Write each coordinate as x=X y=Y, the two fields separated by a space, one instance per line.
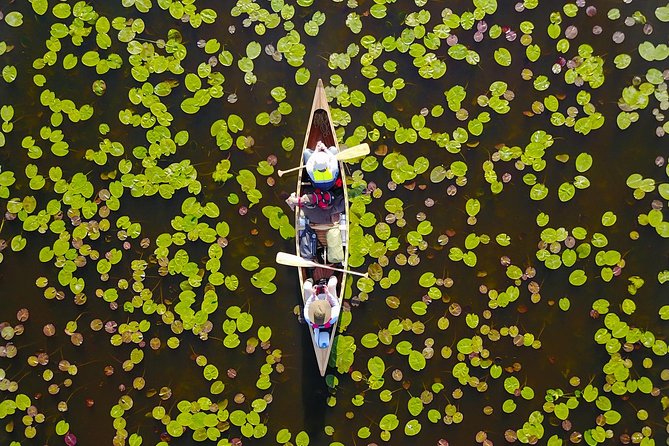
x=332 y=298
x=307 y=154
x=306 y=312
x=309 y=165
x=333 y=165
x=307 y=304
x=335 y=308
x=305 y=200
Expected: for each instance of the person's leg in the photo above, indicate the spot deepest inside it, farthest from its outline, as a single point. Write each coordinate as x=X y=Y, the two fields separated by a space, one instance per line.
x=332 y=285
x=307 y=289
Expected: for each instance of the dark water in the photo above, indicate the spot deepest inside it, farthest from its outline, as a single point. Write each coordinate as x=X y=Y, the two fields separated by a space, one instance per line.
x=299 y=395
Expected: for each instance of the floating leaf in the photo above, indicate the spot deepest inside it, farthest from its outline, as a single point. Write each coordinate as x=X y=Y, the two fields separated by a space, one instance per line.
x=651 y=52
x=376 y=366
x=250 y=263
x=577 y=277
x=302 y=439
x=508 y=406
x=583 y=162
x=62 y=427
x=503 y=57
x=416 y=360
x=370 y=340
x=283 y=436
x=609 y=218
x=566 y=192
x=412 y=427
x=662 y=13
x=473 y=206
x=389 y=422
x=210 y=372
x=15 y=19
x=264 y=333
x=415 y=406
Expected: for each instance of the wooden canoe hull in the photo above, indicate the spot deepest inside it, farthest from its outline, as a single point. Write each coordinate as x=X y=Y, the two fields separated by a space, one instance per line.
x=320 y=129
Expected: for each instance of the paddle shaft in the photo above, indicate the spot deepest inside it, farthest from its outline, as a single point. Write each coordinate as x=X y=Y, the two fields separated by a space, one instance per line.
x=281 y=172
x=283 y=258
x=350 y=153
x=318 y=265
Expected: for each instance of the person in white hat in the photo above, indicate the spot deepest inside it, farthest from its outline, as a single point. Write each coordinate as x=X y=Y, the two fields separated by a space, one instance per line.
x=322 y=166
x=321 y=308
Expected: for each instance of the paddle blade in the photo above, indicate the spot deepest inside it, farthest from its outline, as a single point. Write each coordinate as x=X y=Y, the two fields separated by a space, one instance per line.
x=283 y=258
x=353 y=152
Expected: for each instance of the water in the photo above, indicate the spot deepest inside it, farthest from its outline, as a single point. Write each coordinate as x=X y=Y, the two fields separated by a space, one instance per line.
x=299 y=395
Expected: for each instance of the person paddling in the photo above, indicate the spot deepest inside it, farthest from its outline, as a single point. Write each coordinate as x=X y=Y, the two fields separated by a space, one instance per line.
x=322 y=166
x=321 y=308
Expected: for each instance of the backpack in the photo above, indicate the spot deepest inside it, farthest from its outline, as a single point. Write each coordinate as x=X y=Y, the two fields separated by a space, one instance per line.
x=308 y=243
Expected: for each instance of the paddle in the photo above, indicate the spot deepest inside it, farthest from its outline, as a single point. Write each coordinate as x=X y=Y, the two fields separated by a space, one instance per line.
x=353 y=152
x=344 y=155
x=283 y=258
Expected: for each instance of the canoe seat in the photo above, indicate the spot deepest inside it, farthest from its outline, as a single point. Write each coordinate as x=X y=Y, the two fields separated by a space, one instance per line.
x=322 y=227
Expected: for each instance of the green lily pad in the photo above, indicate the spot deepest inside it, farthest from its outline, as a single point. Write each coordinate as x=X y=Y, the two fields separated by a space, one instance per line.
x=389 y=422
x=14 y=19
x=416 y=360
x=577 y=277
x=412 y=427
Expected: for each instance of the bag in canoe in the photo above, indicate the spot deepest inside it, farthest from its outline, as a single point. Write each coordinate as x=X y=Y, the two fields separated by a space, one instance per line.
x=308 y=243
x=335 y=245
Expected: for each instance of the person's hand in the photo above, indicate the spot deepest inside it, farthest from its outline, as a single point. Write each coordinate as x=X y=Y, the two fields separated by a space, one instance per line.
x=292 y=201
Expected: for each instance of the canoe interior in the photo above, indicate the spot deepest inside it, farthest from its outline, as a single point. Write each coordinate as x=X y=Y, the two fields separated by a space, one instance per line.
x=320 y=128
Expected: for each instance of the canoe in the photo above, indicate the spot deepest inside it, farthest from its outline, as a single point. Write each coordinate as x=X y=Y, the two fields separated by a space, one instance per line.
x=321 y=128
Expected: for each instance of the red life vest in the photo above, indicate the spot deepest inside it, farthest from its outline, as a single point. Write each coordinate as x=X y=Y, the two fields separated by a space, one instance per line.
x=322 y=199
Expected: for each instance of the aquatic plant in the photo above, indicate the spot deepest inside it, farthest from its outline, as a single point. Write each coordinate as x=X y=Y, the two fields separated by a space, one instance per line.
x=510 y=225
